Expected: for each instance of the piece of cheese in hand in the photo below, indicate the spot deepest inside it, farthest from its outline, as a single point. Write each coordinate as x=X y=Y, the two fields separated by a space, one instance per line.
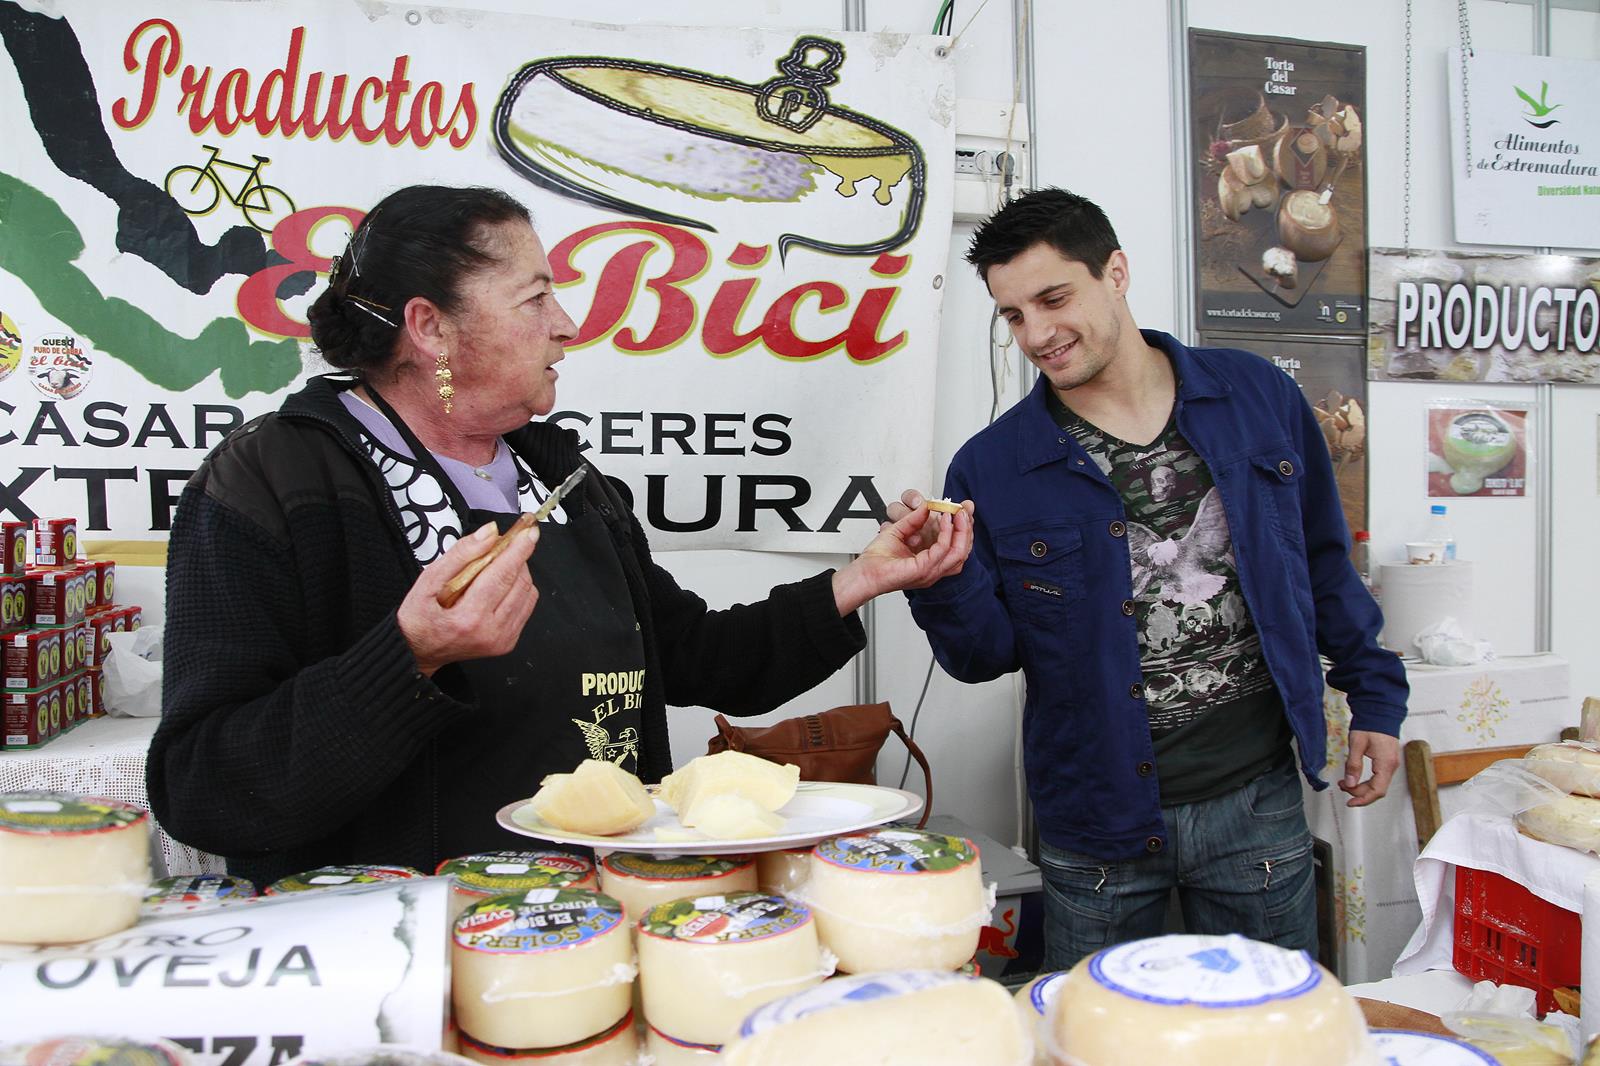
x=768 y=785
x=946 y=506
x=931 y=1019
x=898 y=899
x=1205 y=1001
x=599 y=798
x=731 y=817
x=706 y=962
x=1570 y=766
x=1571 y=821
x=639 y=882
x=71 y=868
x=541 y=969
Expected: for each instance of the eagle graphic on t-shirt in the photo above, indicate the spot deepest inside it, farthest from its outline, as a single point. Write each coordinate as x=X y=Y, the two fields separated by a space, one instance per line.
x=1182 y=566
x=598 y=738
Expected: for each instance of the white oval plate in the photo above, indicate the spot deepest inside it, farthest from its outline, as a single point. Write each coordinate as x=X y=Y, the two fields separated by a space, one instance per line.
x=819 y=809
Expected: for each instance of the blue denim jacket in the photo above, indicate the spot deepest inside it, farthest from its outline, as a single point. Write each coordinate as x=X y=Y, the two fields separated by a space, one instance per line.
x=1048 y=589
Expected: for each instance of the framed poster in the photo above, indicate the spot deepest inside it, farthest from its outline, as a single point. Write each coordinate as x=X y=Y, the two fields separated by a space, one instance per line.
x=1331 y=373
x=1276 y=129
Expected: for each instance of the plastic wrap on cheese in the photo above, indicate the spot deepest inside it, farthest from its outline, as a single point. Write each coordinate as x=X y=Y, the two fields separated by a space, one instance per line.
x=918 y=1016
x=897 y=899
x=1572 y=766
x=706 y=962
x=541 y=969
x=1205 y=1001
x=72 y=868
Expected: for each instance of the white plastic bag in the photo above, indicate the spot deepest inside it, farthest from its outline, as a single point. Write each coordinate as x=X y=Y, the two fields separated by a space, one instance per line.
x=1445 y=643
x=133 y=673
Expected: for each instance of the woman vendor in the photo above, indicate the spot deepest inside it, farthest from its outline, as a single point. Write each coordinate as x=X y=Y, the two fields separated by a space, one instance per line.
x=320 y=705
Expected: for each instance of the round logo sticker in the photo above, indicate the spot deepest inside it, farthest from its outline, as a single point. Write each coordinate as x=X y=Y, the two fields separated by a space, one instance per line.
x=10 y=346
x=55 y=812
x=735 y=918
x=898 y=851
x=544 y=919
x=1204 y=971
x=513 y=871
x=59 y=366
x=676 y=868
x=19 y=548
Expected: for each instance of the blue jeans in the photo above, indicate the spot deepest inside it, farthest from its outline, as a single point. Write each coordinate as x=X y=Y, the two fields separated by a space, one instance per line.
x=1241 y=863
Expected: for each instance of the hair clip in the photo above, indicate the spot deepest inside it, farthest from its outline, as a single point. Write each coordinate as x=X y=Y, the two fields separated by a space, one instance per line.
x=369 y=307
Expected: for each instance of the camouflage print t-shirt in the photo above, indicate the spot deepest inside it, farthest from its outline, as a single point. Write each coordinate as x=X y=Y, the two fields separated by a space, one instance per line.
x=1215 y=715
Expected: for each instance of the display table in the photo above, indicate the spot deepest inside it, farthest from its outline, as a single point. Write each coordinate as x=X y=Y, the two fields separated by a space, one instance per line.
x=1515 y=700
x=103 y=757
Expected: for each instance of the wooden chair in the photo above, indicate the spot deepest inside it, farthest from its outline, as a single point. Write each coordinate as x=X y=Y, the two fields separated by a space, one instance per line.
x=1426 y=770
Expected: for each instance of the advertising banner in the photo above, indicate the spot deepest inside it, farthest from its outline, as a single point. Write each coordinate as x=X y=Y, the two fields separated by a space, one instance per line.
x=1525 y=149
x=256 y=983
x=1331 y=373
x=1465 y=316
x=744 y=224
x=1276 y=129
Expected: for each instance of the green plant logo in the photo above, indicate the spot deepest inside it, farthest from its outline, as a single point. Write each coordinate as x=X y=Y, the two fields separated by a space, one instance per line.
x=1540 y=108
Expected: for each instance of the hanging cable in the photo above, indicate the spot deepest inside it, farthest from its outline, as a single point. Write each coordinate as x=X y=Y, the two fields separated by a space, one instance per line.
x=1406 y=208
x=1464 y=28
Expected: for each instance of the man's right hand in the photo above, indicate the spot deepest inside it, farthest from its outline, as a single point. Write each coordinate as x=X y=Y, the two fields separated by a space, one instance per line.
x=488 y=618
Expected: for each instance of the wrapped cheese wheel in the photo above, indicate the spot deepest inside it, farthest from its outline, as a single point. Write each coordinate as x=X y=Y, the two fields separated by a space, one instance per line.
x=71 y=868
x=1570 y=766
x=1033 y=1004
x=498 y=873
x=639 y=881
x=666 y=1051
x=897 y=899
x=705 y=963
x=94 y=1051
x=1571 y=821
x=617 y=1046
x=175 y=895
x=1205 y=1001
x=1402 y=1048
x=782 y=871
x=338 y=877
x=541 y=969
x=918 y=1016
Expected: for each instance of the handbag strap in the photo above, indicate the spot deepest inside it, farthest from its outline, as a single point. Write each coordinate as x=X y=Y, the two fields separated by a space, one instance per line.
x=731 y=737
x=922 y=761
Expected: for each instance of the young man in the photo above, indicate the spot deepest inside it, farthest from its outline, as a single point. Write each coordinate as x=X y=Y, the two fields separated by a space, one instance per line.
x=1159 y=546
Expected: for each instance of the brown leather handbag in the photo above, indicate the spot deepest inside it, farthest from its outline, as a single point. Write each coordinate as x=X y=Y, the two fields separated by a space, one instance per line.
x=841 y=744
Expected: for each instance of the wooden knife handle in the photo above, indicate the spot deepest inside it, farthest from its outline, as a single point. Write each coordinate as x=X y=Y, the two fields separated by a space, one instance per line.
x=456 y=586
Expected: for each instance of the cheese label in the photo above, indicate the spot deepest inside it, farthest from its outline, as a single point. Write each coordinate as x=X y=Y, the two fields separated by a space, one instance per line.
x=843 y=992
x=737 y=918
x=898 y=851
x=1402 y=1048
x=331 y=876
x=87 y=1051
x=711 y=1049
x=517 y=871
x=1205 y=971
x=673 y=868
x=57 y=812
x=543 y=920
x=175 y=894
x=1044 y=992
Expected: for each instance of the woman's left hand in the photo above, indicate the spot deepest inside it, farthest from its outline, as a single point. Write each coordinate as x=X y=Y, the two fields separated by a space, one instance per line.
x=902 y=556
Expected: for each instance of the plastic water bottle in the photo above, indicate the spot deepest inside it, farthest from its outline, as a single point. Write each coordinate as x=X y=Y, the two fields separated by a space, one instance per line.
x=1439 y=530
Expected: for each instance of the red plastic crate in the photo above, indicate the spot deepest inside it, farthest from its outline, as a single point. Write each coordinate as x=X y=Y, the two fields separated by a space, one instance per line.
x=1506 y=934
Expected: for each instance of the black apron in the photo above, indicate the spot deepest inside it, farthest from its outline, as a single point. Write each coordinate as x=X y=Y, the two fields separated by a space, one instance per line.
x=572 y=689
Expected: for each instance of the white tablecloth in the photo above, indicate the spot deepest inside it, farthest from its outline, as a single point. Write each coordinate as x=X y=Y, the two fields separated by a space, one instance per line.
x=1515 y=700
x=103 y=757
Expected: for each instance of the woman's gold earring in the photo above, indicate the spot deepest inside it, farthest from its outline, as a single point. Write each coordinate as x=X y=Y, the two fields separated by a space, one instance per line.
x=446 y=390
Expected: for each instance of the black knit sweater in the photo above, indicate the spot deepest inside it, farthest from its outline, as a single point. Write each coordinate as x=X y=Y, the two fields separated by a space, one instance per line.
x=296 y=729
